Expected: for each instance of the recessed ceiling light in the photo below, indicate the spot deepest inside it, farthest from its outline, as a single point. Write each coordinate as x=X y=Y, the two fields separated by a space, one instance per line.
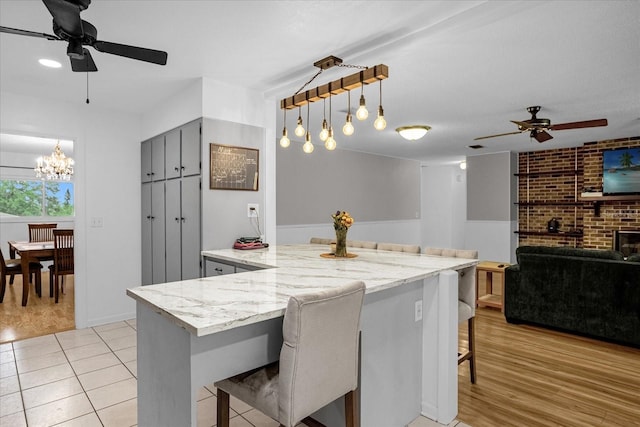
x=49 y=63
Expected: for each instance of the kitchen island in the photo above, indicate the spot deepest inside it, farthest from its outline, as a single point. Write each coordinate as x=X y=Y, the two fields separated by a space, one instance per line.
x=194 y=332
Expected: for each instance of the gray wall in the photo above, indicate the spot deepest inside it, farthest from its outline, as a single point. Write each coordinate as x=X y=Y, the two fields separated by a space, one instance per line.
x=491 y=190
x=310 y=187
x=224 y=212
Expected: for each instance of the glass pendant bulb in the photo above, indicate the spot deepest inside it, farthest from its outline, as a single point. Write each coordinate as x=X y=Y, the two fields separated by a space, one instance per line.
x=324 y=133
x=284 y=141
x=299 y=129
x=380 y=122
x=307 y=147
x=362 y=112
x=330 y=143
x=348 y=129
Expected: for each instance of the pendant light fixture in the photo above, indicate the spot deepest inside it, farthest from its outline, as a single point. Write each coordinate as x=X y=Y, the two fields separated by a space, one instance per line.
x=380 y=122
x=362 y=113
x=57 y=166
x=284 y=141
x=324 y=133
x=330 y=144
x=307 y=147
x=348 y=129
x=366 y=75
x=299 y=129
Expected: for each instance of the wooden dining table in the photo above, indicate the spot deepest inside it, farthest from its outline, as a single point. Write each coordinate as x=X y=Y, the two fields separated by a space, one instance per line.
x=29 y=252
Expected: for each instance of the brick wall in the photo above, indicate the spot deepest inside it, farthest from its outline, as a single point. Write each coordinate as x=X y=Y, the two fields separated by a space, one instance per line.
x=559 y=176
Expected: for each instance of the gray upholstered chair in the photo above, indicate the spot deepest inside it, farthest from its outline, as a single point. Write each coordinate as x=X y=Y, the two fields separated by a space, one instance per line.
x=320 y=241
x=466 y=301
x=412 y=249
x=362 y=244
x=318 y=361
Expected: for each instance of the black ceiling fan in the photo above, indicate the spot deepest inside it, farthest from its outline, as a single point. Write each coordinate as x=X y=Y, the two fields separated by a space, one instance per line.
x=69 y=27
x=538 y=127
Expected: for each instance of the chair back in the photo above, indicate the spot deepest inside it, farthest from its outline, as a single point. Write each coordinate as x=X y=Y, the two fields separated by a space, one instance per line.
x=362 y=244
x=319 y=356
x=412 y=249
x=3 y=265
x=63 y=251
x=41 y=232
x=319 y=241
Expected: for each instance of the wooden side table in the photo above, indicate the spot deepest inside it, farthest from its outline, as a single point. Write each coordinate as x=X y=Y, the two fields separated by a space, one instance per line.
x=489 y=298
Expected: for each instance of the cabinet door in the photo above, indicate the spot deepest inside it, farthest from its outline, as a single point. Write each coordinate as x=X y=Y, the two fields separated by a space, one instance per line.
x=147 y=243
x=191 y=227
x=191 y=150
x=157 y=231
x=172 y=154
x=145 y=169
x=174 y=221
x=157 y=158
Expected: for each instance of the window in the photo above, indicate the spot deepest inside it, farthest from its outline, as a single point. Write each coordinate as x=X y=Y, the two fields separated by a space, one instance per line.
x=36 y=198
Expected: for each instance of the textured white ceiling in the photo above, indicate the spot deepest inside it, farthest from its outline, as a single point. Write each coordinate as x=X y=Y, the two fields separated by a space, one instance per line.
x=463 y=67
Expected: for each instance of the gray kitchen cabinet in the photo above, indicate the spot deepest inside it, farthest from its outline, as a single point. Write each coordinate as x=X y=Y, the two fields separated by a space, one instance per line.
x=171 y=205
x=182 y=151
x=183 y=228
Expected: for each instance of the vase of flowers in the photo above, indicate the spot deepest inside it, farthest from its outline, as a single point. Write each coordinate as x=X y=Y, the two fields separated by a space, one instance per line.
x=341 y=223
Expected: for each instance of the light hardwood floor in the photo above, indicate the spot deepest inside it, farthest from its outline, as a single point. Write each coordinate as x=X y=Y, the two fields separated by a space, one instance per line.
x=41 y=316
x=530 y=376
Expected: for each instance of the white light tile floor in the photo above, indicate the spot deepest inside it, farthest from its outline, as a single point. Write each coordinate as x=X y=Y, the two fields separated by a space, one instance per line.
x=87 y=378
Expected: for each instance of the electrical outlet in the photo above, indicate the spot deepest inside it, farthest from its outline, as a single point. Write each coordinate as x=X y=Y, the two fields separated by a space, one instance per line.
x=252 y=210
x=418 y=311
x=96 y=222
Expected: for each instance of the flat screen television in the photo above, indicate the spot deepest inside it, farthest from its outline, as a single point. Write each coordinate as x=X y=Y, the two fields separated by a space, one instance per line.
x=621 y=171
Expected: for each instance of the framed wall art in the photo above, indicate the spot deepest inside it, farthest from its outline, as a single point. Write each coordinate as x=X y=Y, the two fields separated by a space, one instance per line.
x=233 y=168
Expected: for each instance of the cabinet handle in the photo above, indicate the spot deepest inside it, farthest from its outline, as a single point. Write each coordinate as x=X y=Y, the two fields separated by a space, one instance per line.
x=219 y=270
x=182 y=168
x=153 y=217
x=176 y=169
x=148 y=216
x=183 y=219
x=177 y=219
x=148 y=174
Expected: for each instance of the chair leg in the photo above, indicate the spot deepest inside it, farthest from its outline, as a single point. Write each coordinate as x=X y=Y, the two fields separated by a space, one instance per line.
x=38 y=284
x=351 y=409
x=472 y=350
x=222 y=417
x=3 y=285
x=11 y=279
x=56 y=286
x=50 y=284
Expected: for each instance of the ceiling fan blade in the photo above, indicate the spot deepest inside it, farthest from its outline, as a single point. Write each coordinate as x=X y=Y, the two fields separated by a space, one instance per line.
x=28 y=33
x=500 y=134
x=579 y=125
x=140 y=53
x=523 y=125
x=85 y=64
x=66 y=15
x=542 y=136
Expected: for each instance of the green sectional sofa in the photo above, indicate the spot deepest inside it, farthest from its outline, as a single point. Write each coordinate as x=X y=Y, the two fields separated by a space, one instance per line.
x=590 y=292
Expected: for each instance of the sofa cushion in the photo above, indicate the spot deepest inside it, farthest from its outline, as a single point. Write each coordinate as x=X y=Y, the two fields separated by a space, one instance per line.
x=634 y=258
x=566 y=251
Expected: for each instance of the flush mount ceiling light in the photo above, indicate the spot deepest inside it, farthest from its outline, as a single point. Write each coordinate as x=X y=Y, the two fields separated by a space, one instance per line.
x=366 y=76
x=49 y=63
x=413 y=132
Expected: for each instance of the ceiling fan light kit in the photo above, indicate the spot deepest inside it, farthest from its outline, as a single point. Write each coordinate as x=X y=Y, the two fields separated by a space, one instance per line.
x=366 y=76
x=538 y=127
x=413 y=132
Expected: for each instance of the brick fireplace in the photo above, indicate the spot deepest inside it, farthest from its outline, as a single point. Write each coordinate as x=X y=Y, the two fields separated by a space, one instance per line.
x=550 y=184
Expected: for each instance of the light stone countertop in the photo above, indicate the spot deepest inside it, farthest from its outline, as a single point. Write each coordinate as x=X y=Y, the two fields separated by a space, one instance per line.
x=213 y=304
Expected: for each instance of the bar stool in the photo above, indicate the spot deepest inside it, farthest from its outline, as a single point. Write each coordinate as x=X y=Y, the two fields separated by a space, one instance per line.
x=318 y=361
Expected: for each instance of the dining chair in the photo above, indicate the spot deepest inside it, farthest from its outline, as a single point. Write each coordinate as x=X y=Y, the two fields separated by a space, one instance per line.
x=320 y=241
x=412 y=249
x=41 y=232
x=362 y=244
x=466 y=302
x=13 y=266
x=62 y=260
x=318 y=361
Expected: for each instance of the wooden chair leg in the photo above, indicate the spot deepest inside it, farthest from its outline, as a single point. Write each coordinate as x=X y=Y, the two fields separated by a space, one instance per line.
x=472 y=350
x=50 y=284
x=56 y=286
x=222 y=417
x=11 y=279
x=3 y=285
x=351 y=409
x=38 y=284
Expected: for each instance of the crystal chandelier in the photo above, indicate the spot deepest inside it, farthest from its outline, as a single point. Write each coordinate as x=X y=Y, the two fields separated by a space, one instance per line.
x=56 y=166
